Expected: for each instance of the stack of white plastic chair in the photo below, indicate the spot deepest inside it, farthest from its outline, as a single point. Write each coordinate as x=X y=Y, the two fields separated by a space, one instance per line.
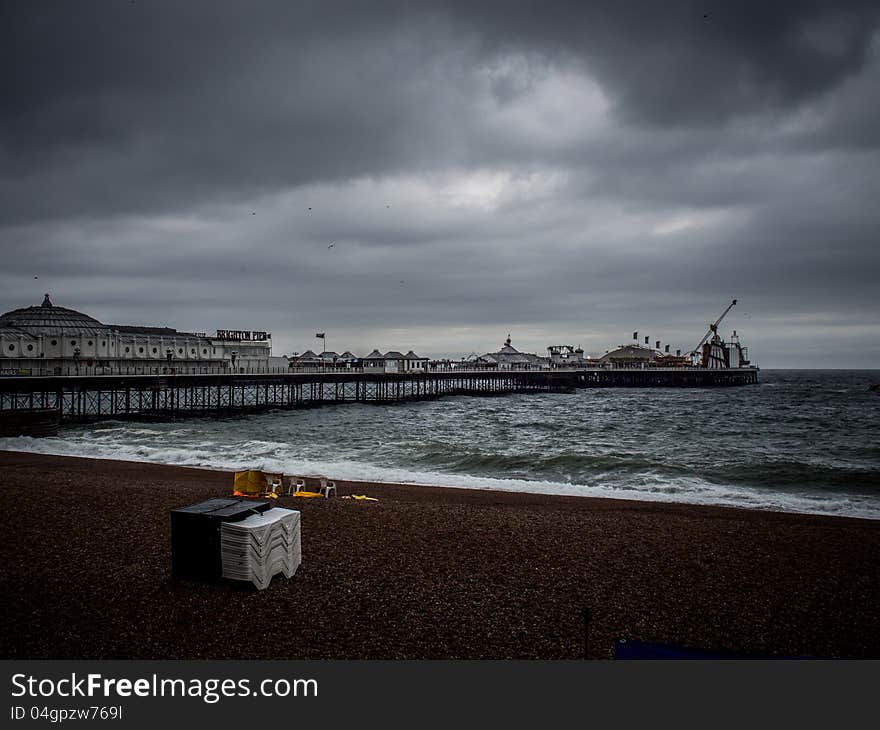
x=261 y=546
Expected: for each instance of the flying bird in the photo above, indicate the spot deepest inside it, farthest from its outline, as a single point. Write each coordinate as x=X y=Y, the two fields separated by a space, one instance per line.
x=331 y=245
x=36 y=277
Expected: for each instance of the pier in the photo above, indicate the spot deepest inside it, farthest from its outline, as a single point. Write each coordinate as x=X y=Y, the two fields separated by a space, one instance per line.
x=90 y=398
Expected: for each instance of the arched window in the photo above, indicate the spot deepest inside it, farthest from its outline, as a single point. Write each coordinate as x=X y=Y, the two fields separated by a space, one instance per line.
x=141 y=350
x=155 y=350
x=11 y=348
x=54 y=342
x=128 y=349
x=30 y=348
x=91 y=343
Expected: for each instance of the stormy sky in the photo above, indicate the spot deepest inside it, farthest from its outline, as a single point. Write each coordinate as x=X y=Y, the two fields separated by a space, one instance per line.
x=563 y=172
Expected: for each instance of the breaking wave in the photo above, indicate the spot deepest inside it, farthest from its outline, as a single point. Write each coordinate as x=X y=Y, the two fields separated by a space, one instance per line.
x=798 y=442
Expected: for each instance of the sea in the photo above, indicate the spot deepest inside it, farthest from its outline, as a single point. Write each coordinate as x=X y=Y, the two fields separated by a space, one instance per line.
x=799 y=441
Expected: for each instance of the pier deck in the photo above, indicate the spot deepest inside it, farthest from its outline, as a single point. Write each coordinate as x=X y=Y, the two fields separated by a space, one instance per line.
x=91 y=397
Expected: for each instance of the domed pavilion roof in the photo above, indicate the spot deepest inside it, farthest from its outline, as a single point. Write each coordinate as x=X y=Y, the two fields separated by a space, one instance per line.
x=49 y=319
x=630 y=353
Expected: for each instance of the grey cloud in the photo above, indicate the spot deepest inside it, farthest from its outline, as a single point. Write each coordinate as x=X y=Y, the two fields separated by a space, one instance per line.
x=696 y=62
x=206 y=100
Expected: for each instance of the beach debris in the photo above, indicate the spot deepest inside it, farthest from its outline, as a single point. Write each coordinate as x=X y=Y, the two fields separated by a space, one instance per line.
x=360 y=497
x=269 y=495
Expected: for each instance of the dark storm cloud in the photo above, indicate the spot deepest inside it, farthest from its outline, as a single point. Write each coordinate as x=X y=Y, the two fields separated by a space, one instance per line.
x=701 y=62
x=200 y=100
x=569 y=170
x=194 y=100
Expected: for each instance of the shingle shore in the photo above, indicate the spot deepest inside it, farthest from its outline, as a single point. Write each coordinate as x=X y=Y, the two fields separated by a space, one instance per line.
x=426 y=572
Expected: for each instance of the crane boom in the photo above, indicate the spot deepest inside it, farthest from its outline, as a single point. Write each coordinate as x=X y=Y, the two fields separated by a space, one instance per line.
x=713 y=327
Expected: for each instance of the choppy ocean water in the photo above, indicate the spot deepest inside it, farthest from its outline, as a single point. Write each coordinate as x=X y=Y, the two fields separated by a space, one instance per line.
x=800 y=441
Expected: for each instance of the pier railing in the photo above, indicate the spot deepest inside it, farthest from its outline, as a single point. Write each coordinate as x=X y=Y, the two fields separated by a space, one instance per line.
x=95 y=370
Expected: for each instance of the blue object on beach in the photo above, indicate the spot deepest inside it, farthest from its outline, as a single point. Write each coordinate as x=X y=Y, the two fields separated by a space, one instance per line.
x=624 y=649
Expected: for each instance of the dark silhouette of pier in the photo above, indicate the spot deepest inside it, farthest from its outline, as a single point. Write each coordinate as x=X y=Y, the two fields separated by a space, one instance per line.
x=96 y=397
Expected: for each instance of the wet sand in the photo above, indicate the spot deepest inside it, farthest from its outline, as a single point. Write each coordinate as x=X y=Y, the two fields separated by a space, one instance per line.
x=426 y=572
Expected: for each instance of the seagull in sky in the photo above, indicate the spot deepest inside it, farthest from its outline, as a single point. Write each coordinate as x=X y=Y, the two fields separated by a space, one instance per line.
x=331 y=245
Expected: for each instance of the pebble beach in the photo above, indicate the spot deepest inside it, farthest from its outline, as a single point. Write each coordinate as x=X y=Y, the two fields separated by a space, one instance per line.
x=424 y=573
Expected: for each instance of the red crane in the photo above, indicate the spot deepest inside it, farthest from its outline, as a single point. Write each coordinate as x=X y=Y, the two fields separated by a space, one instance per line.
x=713 y=329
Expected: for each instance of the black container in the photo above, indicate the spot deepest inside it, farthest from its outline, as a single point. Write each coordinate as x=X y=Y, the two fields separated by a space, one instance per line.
x=195 y=535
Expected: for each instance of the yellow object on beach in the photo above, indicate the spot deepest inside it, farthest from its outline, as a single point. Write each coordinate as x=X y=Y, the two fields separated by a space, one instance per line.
x=255 y=483
x=307 y=494
x=360 y=497
x=250 y=482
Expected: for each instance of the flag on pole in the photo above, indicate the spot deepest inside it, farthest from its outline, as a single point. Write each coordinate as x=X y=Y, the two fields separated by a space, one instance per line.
x=320 y=335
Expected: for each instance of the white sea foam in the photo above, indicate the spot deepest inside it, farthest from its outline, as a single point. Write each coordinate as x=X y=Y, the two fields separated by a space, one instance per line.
x=279 y=457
